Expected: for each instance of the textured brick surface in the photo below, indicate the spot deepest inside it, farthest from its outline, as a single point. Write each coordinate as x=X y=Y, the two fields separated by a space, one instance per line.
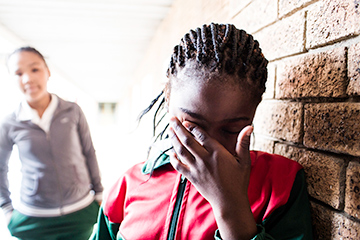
x=256 y=15
x=354 y=70
x=280 y=120
x=321 y=74
x=237 y=5
x=331 y=225
x=322 y=221
x=211 y=8
x=283 y=38
x=333 y=126
x=323 y=173
x=286 y=6
x=352 y=194
x=344 y=228
x=261 y=143
x=329 y=20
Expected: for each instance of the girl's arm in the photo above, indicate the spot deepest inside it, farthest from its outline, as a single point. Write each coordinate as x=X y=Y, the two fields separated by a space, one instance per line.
x=291 y=221
x=6 y=147
x=219 y=176
x=223 y=180
x=89 y=152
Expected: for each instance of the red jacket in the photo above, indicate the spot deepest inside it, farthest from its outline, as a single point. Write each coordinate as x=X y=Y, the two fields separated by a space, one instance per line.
x=141 y=207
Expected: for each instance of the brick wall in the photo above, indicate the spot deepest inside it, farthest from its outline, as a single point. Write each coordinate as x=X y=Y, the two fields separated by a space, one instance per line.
x=311 y=109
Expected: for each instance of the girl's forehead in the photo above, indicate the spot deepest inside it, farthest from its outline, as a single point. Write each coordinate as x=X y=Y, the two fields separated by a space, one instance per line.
x=210 y=82
x=195 y=73
x=25 y=55
x=213 y=101
x=23 y=58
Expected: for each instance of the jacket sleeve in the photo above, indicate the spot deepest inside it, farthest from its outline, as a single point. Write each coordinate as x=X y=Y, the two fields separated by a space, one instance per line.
x=89 y=152
x=105 y=230
x=111 y=212
x=6 y=146
x=291 y=221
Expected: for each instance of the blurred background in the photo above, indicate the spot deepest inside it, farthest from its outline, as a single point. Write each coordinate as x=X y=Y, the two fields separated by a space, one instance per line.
x=92 y=48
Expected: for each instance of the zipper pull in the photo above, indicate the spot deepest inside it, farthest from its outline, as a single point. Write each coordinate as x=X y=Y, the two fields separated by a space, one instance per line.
x=183 y=178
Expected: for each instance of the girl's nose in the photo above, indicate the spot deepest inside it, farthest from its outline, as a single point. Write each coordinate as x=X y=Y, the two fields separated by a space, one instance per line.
x=25 y=78
x=214 y=133
x=219 y=137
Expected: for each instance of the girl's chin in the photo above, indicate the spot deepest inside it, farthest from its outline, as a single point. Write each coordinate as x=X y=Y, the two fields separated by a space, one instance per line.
x=34 y=95
x=32 y=92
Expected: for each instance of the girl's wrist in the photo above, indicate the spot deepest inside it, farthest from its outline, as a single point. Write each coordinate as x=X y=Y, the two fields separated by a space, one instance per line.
x=8 y=216
x=235 y=220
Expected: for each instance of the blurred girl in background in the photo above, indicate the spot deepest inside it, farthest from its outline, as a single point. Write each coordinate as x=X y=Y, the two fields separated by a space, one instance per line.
x=60 y=186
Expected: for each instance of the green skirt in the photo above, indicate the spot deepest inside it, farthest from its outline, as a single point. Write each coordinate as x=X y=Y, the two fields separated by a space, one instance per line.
x=74 y=226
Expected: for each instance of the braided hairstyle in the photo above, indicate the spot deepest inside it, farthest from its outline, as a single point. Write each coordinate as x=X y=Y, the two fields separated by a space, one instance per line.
x=222 y=49
x=219 y=50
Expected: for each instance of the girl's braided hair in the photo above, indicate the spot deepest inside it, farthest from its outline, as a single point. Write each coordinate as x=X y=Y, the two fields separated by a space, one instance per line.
x=221 y=49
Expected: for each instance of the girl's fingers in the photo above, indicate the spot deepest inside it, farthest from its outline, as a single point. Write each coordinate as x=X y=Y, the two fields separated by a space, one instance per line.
x=182 y=154
x=200 y=135
x=187 y=138
x=178 y=165
x=243 y=144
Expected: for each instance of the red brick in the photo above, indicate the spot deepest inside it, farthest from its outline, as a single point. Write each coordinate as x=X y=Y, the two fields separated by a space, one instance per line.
x=256 y=15
x=320 y=74
x=285 y=37
x=354 y=70
x=344 y=228
x=287 y=6
x=332 y=225
x=352 y=193
x=330 y=20
x=333 y=126
x=323 y=173
x=322 y=221
x=279 y=120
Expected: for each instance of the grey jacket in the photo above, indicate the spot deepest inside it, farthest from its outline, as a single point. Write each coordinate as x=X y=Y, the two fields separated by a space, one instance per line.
x=59 y=168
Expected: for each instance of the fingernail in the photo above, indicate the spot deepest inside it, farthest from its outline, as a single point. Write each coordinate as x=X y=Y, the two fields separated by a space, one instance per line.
x=188 y=126
x=250 y=132
x=172 y=121
x=171 y=132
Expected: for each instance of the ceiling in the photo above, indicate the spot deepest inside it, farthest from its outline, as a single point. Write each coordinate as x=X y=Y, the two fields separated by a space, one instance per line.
x=96 y=44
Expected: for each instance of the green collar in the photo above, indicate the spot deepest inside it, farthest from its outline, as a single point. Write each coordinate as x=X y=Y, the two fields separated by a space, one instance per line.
x=158 y=156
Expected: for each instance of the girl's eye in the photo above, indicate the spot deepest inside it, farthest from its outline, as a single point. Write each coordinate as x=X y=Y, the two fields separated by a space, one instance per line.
x=35 y=70
x=18 y=74
x=227 y=131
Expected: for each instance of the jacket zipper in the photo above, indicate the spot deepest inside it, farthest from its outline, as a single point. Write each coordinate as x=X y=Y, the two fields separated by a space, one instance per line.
x=55 y=167
x=177 y=207
x=47 y=137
